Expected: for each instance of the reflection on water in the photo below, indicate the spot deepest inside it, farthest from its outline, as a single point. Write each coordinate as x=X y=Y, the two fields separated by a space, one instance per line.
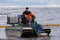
x=54 y=35
x=39 y=38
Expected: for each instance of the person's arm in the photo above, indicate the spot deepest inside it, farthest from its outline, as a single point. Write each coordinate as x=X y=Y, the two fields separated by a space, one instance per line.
x=32 y=15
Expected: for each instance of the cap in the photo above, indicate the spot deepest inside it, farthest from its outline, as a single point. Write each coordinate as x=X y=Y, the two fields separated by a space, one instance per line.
x=27 y=8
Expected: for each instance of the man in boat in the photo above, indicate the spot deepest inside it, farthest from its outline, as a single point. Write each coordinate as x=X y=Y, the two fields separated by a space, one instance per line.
x=27 y=16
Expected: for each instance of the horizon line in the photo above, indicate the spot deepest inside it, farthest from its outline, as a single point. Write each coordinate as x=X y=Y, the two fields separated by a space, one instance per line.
x=30 y=6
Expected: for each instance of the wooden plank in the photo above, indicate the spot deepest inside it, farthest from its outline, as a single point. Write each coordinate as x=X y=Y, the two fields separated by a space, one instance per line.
x=2 y=26
x=50 y=25
x=40 y=24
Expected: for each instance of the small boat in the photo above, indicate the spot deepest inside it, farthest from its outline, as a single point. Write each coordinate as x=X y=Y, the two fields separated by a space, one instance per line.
x=35 y=30
x=29 y=30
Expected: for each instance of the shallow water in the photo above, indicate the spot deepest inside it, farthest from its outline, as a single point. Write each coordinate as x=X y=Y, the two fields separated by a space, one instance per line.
x=43 y=15
x=54 y=35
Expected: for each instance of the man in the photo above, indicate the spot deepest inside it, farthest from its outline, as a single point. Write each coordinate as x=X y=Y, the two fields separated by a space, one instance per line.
x=27 y=16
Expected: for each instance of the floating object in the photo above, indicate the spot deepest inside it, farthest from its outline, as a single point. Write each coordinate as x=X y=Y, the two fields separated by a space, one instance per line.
x=30 y=30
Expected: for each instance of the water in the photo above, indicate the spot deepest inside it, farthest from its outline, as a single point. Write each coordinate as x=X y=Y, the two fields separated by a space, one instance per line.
x=43 y=16
x=54 y=35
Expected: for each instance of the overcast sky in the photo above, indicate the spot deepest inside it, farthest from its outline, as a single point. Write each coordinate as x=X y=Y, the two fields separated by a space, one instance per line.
x=29 y=2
